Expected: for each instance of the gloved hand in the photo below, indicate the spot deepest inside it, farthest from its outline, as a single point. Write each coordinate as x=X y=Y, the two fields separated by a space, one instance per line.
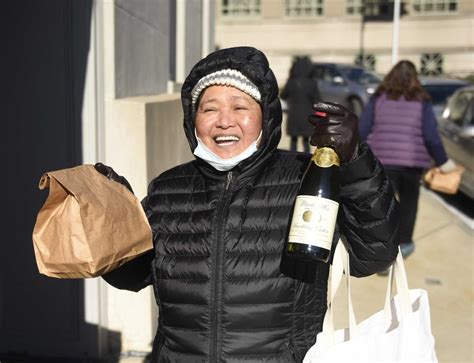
x=337 y=127
x=112 y=175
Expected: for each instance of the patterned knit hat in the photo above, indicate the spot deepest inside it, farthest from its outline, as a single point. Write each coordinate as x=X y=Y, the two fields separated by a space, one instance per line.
x=226 y=77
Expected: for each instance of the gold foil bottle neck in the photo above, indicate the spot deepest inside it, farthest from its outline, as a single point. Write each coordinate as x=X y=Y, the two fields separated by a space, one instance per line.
x=325 y=157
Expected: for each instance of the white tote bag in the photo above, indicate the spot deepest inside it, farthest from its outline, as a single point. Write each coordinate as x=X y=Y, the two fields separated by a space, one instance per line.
x=401 y=332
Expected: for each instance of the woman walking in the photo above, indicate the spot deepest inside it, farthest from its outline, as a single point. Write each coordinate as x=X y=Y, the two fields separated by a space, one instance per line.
x=400 y=126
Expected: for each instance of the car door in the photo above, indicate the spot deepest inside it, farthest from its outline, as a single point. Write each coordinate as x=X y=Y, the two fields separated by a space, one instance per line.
x=457 y=134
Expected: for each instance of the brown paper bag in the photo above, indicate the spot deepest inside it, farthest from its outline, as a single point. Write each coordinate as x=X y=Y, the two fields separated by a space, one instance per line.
x=89 y=225
x=447 y=183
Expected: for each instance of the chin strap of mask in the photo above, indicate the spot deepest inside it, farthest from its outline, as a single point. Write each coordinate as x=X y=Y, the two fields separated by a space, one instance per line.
x=204 y=153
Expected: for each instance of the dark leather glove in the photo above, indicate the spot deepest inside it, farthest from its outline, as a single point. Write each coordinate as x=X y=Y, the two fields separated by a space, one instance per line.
x=335 y=126
x=112 y=175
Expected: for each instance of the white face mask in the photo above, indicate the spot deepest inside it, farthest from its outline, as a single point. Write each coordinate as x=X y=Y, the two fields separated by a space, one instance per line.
x=203 y=152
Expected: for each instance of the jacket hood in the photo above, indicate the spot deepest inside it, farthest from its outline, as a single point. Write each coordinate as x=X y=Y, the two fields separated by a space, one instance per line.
x=254 y=65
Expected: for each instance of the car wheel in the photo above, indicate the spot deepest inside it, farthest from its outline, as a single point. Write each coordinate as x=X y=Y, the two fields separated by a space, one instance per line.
x=355 y=105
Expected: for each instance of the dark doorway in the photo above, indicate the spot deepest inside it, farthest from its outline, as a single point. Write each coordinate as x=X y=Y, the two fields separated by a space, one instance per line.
x=44 y=66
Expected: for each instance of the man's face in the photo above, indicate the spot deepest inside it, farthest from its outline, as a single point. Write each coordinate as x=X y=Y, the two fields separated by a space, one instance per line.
x=227 y=120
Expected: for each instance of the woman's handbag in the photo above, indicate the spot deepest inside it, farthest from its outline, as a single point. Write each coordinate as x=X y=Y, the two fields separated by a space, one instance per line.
x=447 y=183
x=399 y=333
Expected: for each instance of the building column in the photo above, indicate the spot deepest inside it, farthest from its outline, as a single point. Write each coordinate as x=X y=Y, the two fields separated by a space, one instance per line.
x=180 y=40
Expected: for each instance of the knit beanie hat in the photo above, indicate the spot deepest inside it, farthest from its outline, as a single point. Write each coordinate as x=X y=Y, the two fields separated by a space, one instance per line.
x=226 y=77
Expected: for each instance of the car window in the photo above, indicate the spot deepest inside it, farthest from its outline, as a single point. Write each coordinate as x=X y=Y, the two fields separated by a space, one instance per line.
x=440 y=92
x=325 y=73
x=360 y=75
x=318 y=72
x=460 y=107
x=469 y=115
x=329 y=74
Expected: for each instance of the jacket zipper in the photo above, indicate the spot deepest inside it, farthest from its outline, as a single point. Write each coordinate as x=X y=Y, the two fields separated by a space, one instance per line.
x=216 y=311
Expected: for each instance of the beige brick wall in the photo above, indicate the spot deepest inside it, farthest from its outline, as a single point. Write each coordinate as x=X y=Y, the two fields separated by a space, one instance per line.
x=337 y=36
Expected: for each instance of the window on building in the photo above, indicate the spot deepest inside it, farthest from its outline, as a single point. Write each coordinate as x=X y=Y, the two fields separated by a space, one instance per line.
x=303 y=8
x=354 y=7
x=240 y=8
x=368 y=61
x=374 y=10
x=426 y=7
x=431 y=64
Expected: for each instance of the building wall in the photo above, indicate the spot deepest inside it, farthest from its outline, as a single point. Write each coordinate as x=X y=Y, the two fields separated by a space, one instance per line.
x=337 y=36
x=142 y=30
x=133 y=122
x=193 y=39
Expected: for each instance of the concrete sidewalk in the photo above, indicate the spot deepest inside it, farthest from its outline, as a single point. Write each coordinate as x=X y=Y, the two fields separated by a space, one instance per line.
x=442 y=264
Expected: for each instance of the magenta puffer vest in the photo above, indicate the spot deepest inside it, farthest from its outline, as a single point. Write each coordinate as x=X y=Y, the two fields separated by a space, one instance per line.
x=397 y=135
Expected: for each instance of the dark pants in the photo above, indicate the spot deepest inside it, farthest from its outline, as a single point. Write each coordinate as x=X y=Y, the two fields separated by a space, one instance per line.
x=294 y=143
x=406 y=184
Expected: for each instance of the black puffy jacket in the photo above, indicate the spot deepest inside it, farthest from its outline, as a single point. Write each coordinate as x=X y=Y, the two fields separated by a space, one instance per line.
x=225 y=290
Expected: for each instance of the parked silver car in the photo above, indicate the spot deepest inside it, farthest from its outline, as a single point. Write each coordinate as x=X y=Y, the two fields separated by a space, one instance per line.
x=456 y=127
x=440 y=89
x=347 y=84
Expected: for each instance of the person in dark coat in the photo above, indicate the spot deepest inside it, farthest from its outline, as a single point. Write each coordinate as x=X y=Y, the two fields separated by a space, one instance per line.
x=300 y=92
x=400 y=126
x=225 y=289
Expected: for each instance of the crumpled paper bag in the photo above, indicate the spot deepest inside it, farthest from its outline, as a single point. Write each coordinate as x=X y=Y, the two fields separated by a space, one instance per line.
x=88 y=226
x=447 y=183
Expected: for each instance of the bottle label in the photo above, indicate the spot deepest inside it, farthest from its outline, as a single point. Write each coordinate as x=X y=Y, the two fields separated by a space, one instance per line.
x=325 y=157
x=313 y=221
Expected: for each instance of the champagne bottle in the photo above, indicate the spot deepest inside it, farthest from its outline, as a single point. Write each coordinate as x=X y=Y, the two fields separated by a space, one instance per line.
x=315 y=211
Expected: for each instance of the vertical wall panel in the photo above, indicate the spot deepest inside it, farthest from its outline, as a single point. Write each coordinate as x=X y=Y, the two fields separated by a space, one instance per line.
x=193 y=33
x=141 y=47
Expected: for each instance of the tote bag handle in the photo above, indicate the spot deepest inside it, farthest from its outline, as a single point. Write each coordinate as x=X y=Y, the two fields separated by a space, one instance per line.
x=340 y=269
x=398 y=273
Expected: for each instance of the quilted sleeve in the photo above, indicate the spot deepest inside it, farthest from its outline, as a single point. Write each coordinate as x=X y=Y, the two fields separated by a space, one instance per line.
x=369 y=213
x=135 y=274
